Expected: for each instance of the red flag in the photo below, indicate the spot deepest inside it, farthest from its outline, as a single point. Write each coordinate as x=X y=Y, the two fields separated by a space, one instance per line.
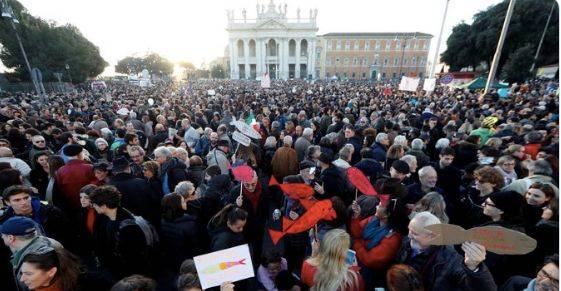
x=273 y=181
x=297 y=191
x=243 y=173
x=360 y=181
x=321 y=210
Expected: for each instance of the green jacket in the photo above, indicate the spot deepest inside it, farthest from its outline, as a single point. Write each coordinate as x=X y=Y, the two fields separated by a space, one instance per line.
x=483 y=133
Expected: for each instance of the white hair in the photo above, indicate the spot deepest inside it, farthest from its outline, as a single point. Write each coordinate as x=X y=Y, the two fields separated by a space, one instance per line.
x=287 y=140
x=381 y=136
x=307 y=132
x=400 y=140
x=442 y=143
x=271 y=141
x=417 y=144
x=409 y=159
x=182 y=188
x=426 y=170
x=425 y=218
x=163 y=151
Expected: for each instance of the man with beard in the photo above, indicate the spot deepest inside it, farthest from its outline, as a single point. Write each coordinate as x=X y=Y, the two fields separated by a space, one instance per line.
x=441 y=267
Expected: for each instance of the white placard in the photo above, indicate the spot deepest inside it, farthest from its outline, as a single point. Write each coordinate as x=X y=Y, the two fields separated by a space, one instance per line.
x=242 y=139
x=233 y=264
x=429 y=84
x=408 y=84
x=266 y=81
x=211 y=92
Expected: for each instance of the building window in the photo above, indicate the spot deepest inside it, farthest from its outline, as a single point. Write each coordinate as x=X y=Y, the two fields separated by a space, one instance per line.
x=338 y=45
x=426 y=46
x=378 y=44
x=364 y=62
x=363 y=75
x=337 y=61
x=407 y=43
x=345 y=74
x=346 y=61
x=356 y=45
x=376 y=61
x=355 y=61
x=354 y=75
x=395 y=61
x=422 y=62
x=366 y=45
x=388 y=45
x=347 y=45
x=330 y=44
x=385 y=62
x=405 y=61
x=413 y=61
x=398 y=44
x=384 y=75
x=394 y=75
x=328 y=62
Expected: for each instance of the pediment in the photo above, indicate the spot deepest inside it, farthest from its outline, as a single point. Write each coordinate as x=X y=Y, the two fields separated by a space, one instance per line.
x=271 y=24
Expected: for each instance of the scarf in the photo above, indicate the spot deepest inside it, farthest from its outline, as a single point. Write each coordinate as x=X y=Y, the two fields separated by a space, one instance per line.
x=374 y=233
x=531 y=286
x=253 y=197
x=90 y=220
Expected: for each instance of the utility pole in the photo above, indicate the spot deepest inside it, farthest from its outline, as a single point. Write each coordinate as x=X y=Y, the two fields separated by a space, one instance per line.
x=543 y=36
x=497 y=56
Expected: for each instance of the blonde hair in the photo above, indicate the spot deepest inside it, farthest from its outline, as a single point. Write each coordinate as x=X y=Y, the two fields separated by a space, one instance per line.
x=332 y=272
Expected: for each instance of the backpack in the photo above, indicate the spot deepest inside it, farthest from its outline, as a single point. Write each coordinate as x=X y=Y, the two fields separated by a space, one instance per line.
x=152 y=239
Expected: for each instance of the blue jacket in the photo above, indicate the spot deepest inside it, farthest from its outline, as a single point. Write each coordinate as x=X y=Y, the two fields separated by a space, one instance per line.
x=379 y=152
x=202 y=147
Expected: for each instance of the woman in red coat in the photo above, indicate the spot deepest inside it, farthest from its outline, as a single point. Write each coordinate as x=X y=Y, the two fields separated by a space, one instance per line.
x=377 y=238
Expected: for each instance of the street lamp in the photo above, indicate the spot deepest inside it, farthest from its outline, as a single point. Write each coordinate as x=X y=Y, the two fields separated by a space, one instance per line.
x=8 y=13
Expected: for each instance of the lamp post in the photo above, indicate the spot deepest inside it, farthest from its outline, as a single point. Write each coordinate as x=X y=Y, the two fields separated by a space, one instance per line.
x=403 y=53
x=8 y=13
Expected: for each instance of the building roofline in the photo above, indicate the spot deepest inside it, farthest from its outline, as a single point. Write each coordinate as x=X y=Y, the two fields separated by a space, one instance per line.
x=375 y=34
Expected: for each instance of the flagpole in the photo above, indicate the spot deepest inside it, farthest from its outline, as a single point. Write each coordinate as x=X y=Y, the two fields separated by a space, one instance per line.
x=497 y=56
x=543 y=36
x=433 y=65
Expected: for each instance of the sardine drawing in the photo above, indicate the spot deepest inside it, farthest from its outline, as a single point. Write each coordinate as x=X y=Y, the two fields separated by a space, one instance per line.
x=222 y=266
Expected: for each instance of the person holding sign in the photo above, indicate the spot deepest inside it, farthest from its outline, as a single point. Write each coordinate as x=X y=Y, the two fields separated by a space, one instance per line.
x=377 y=238
x=226 y=228
x=441 y=267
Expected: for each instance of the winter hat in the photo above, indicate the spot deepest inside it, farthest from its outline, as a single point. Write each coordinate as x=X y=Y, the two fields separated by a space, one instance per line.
x=509 y=202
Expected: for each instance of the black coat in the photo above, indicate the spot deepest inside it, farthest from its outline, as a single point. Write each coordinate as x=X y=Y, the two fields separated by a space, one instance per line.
x=223 y=238
x=196 y=174
x=138 y=197
x=333 y=183
x=442 y=268
x=121 y=252
x=357 y=144
x=466 y=153
x=179 y=240
x=176 y=171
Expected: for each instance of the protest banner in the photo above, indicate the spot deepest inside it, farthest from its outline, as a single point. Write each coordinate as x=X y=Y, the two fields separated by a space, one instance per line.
x=266 y=81
x=429 y=84
x=494 y=238
x=408 y=84
x=246 y=129
x=229 y=265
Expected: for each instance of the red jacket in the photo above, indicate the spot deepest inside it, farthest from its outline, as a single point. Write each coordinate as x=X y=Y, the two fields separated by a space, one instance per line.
x=70 y=178
x=532 y=149
x=379 y=256
x=308 y=272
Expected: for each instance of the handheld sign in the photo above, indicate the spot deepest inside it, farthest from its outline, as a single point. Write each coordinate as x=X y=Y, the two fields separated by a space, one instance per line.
x=447 y=79
x=360 y=181
x=243 y=173
x=150 y=101
x=496 y=239
x=242 y=139
x=246 y=129
x=233 y=264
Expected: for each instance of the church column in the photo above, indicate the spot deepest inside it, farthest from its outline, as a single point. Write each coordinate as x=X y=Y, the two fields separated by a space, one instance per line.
x=297 y=66
x=285 y=57
x=311 y=57
x=246 y=57
x=236 y=74
x=258 y=72
x=231 y=52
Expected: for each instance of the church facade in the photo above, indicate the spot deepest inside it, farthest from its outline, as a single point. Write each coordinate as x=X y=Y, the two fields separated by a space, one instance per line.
x=272 y=43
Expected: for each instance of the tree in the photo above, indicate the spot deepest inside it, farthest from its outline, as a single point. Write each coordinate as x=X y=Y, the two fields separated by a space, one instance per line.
x=469 y=45
x=217 y=72
x=130 y=65
x=517 y=67
x=188 y=66
x=153 y=62
x=49 y=47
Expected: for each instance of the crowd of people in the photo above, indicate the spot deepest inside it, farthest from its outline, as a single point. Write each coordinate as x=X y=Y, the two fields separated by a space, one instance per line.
x=120 y=189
